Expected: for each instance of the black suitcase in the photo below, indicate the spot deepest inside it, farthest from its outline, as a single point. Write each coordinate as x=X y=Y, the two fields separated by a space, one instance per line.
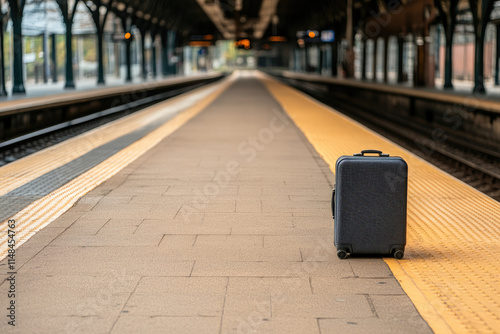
x=369 y=204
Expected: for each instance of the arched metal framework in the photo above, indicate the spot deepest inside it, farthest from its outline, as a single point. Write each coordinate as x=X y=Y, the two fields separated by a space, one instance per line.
x=373 y=19
x=153 y=17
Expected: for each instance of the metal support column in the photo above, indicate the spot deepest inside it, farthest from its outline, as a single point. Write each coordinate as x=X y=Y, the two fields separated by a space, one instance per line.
x=128 y=59
x=349 y=36
x=99 y=18
x=448 y=13
x=497 y=57
x=306 y=57
x=53 y=56
x=118 y=60
x=320 y=59
x=100 y=57
x=126 y=22
x=18 y=84
x=172 y=50
x=386 y=59
x=70 y=83
x=164 y=53
x=479 y=65
x=3 y=91
x=420 y=69
x=437 y=51
x=68 y=22
x=335 y=58
x=401 y=44
x=448 y=58
x=481 y=11
x=144 y=70
x=153 y=59
x=46 y=63
x=363 y=59
x=374 y=61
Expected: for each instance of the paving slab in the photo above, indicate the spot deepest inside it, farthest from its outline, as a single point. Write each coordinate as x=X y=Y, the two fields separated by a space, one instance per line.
x=166 y=324
x=259 y=323
x=180 y=296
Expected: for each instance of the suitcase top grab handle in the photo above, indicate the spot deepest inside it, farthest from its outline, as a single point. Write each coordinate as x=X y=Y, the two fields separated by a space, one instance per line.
x=380 y=154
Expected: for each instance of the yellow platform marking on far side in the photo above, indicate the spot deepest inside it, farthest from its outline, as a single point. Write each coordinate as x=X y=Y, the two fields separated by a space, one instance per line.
x=45 y=210
x=451 y=269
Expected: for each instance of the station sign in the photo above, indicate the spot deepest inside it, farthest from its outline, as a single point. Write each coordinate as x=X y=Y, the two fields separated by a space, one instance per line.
x=243 y=44
x=207 y=37
x=120 y=37
x=315 y=36
x=29 y=58
x=327 y=36
x=201 y=40
x=276 y=39
x=201 y=43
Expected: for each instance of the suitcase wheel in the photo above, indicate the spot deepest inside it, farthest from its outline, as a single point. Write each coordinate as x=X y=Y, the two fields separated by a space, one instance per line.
x=342 y=254
x=398 y=254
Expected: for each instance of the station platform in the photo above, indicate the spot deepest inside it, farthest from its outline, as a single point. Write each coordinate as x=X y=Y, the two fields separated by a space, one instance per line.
x=210 y=213
x=52 y=88
x=53 y=94
x=461 y=95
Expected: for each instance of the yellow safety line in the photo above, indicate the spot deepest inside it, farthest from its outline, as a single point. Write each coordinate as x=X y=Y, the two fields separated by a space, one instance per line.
x=45 y=210
x=451 y=269
x=426 y=309
x=33 y=166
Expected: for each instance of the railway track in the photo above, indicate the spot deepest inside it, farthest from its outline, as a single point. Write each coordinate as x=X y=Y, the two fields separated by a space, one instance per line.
x=17 y=148
x=473 y=163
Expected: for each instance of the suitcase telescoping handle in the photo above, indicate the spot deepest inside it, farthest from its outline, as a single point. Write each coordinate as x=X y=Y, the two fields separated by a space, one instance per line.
x=380 y=154
x=333 y=203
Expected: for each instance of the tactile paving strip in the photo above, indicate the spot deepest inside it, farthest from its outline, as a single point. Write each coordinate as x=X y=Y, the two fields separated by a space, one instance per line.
x=19 y=198
x=451 y=269
x=42 y=211
x=35 y=165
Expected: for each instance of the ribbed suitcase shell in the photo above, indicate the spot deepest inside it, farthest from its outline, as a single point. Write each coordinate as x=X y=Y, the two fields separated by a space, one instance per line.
x=369 y=204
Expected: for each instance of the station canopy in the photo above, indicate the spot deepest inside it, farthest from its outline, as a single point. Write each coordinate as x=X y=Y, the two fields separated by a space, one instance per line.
x=225 y=19
x=236 y=19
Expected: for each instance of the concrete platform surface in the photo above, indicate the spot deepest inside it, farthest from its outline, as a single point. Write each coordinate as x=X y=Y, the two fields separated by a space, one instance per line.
x=223 y=227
